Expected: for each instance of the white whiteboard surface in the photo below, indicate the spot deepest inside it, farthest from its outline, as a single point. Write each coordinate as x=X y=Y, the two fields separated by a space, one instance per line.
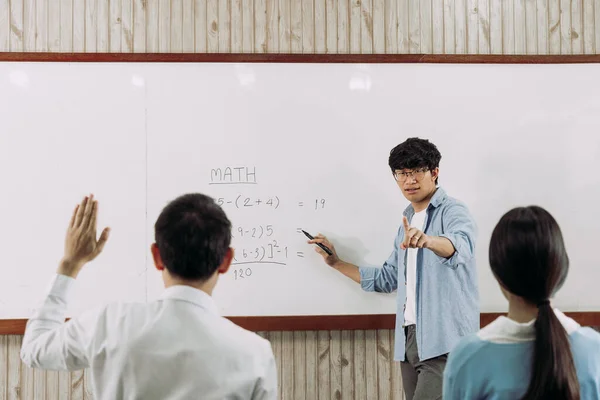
x=312 y=135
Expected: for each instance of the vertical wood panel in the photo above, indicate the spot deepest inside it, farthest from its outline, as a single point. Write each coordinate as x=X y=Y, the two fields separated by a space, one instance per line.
x=77 y=386
x=29 y=25
x=508 y=27
x=371 y=360
x=308 y=26
x=320 y=26
x=52 y=386
x=224 y=26
x=483 y=11
x=260 y=26
x=555 y=28
x=355 y=26
x=39 y=382
x=299 y=365
x=152 y=17
x=565 y=27
x=41 y=26
x=276 y=339
x=597 y=25
x=531 y=18
x=272 y=26
x=384 y=378
x=403 y=26
x=164 y=31
x=311 y=365
x=64 y=385
x=115 y=26
x=496 y=26
x=350 y=379
x=16 y=25
x=391 y=26
x=91 y=25
x=127 y=29
x=236 y=26
x=577 y=26
x=542 y=26
x=414 y=26
x=473 y=26
x=88 y=392
x=3 y=367
x=212 y=18
x=331 y=27
x=335 y=364
x=520 y=27
x=426 y=26
x=139 y=25
x=54 y=27
x=187 y=34
x=285 y=29
x=378 y=23
x=460 y=26
x=248 y=25
x=27 y=384
x=200 y=29
x=296 y=26
x=13 y=381
x=287 y=361
x=589 y=45
x=343 y=26
x=437 y=16
x=176 y=27
x=4 y=25
x=449 y=26
x=323 y=370
x=366 y=26
x=102 y=26
x=360 y=364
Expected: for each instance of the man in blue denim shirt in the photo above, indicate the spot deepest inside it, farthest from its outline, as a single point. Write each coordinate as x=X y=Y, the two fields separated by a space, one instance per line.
x=432 y=267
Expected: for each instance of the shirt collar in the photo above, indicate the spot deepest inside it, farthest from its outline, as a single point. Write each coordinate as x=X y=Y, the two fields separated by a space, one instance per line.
x=505 y=330
x=436 y=200
x=191 y=295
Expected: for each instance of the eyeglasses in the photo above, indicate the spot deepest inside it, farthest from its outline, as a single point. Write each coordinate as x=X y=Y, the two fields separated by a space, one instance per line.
x=417 y=174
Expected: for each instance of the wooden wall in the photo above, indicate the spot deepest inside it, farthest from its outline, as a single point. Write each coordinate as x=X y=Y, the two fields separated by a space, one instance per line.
x=312 y=365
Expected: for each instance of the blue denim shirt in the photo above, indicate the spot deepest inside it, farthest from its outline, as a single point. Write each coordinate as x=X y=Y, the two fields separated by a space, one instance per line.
x=447 y=297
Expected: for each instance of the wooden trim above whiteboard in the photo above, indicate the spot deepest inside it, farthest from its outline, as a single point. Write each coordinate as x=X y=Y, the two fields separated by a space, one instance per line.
x=321 y=322
x=301 y=58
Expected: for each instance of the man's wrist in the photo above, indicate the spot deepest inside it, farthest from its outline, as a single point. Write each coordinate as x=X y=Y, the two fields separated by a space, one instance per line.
x=69 y=268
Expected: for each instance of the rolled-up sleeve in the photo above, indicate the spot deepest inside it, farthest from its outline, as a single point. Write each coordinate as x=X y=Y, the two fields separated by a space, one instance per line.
x=461 y=230
x=385 y=279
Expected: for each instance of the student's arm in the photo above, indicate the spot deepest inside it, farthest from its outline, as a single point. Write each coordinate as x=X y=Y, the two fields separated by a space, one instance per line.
x=455 y=246
x=371 y=279
x=49 y=342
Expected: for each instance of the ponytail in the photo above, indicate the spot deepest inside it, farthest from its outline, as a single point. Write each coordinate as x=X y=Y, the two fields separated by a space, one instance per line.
x=553 y=374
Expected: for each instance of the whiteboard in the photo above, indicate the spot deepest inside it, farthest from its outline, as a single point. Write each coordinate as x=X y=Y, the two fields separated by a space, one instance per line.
x=307 y=147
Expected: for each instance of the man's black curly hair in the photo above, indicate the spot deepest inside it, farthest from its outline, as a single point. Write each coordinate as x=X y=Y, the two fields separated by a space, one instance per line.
x=415 y=153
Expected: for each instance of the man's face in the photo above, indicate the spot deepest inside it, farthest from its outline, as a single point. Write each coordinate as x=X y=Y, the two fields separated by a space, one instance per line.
x=416 y=184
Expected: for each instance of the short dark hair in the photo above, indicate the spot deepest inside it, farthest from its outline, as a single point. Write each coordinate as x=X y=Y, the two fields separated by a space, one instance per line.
x=192 y=234
x=415 y=153
x=528 y=257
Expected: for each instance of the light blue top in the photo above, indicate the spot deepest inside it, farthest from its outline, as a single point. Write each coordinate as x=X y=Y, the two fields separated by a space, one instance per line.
x=495 y=364
x=447 y=298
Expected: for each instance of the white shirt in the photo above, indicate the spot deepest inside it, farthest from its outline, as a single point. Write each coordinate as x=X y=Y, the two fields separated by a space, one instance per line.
x=177 y=347
x=410 y=313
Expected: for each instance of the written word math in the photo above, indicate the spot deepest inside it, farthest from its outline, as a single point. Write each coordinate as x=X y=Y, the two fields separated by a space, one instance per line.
x=233 y=176
x=242 y=201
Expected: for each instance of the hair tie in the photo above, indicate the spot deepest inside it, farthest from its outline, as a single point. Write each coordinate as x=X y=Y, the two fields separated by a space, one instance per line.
x=543 y=303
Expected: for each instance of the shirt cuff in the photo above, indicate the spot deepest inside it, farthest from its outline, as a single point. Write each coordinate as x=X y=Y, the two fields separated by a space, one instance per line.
x=367 y=278
x=61 y=286
x=453 y=260
x=58 y=294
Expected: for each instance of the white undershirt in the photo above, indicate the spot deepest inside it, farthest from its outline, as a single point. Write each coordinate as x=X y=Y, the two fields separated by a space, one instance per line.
x=410 y=313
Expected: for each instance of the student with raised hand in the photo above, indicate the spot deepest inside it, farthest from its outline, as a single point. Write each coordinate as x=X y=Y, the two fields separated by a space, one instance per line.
x=535 y=352
x=177 y=347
